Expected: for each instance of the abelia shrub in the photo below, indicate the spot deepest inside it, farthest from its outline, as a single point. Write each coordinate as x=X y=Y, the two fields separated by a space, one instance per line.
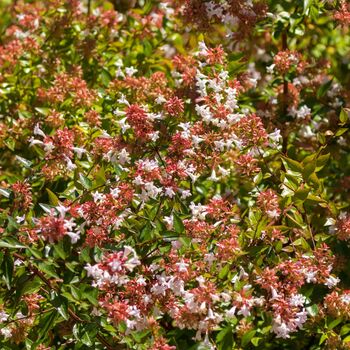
x=174 y=175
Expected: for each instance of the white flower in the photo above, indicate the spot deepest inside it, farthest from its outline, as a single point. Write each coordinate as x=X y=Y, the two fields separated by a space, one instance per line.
x=18 y=262
x=198 y=211
x=123 y=100
x=310 y=276
x=203 y=50
x=297 y=300
x=115 y=192
x=231 y=99
x=97 y=196
x=182 y=266
x=20 y=219
x=38 y=131
x=160 y=100
x=123 y=157
x=154 y=136
x=270 y=69
x=280 y=328
x=303 y=112
x=213 y=176
x=273 y=214
x=33 y=141
x=19 y=315
x=275 y=136
x=231 y=313
x=118 y=112
x=79 y=151
x=96 y=312
x=224 y=172
x=301 y=318
x=244 y=311
x=201 y=280
x=6 y=332
x=62 y=210
x=141 y=281
x=274 y=294
x=70 y=165
x=176 y=244
x=3 y=316
x=91 y=270
x=332 y=281
x=130 y=71
x=49 y=147
x=185 y=194
x=345 y=299
x=138 y=181
x=74 y=236
x=169 y=220
x=209 y=258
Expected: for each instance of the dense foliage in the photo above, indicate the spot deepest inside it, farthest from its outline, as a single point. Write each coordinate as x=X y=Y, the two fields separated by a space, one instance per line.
x=174 y=174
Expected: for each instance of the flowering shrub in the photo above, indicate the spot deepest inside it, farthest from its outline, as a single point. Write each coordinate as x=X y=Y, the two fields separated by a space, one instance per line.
x=174 y=174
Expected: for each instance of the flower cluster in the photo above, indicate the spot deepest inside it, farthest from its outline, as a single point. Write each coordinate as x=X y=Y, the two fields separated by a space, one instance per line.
x=162 y=188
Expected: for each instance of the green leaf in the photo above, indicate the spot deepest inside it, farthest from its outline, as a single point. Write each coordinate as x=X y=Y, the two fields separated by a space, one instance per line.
x=31 y=286
x=178 y=224
x=322 y=161
x=25 y=162
x=224 y=271
x=255 y=341
x=323 y=338
x=301 y=193
x=59 y=249
x=344 y=115
x=324 y=88
x=46 y=324
x=292 y=164
x=100 y=176
x=308 y=170
x=307 y=4
x=247 y=337
x=76 y=293
x=42 y=110
x=7 y=269
x=147 y=47
x=91 y=295
x=10 y=242
x=85 y=181
x=85 y=255
x=105 y=77
x=341 y=131
x=85 y=339
x=345 y=329
x=334 y=323
x=63 y=311
x=225 y=338
x=10 y=143
x=5 y=192
x=313 y=179
x=53 y=199
x=48 y=268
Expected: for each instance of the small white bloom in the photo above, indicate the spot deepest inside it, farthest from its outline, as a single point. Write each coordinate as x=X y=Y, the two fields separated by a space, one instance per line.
x=160 y=100
x=332 y=281
x=74 y=236
x=3 y=316
x=6 y=332
x=20 y=219
x=97 y=196
x=38 y=131
x=130 y=71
